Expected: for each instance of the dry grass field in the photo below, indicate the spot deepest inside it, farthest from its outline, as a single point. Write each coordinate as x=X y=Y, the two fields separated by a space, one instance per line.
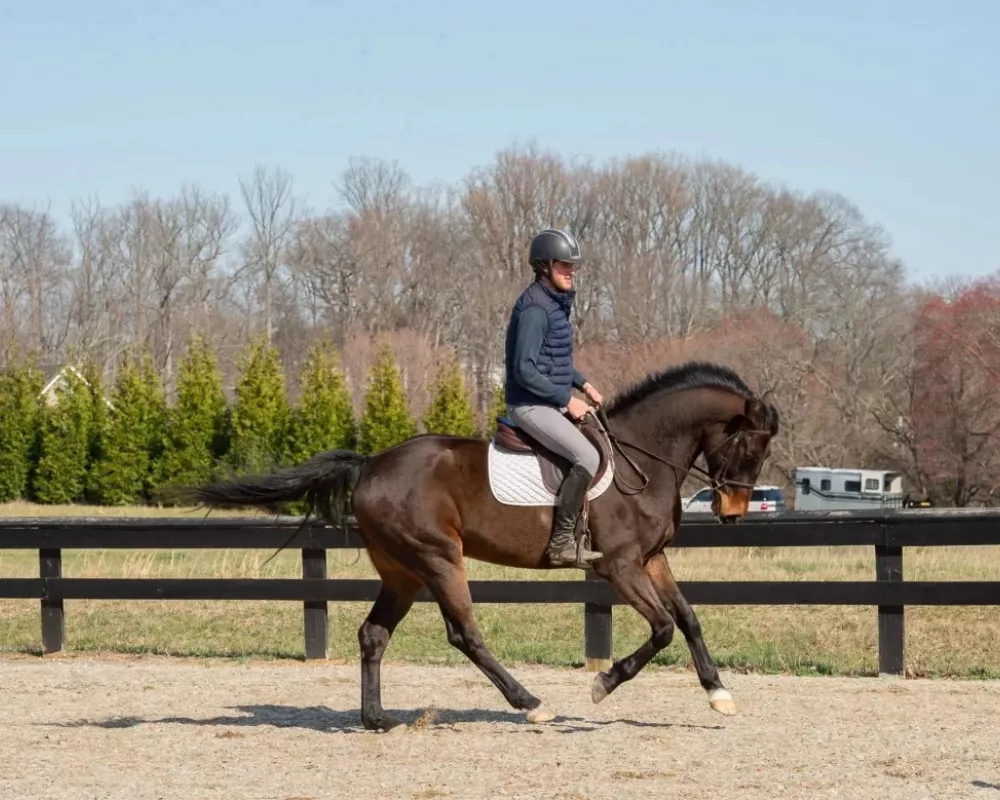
x=941 y=642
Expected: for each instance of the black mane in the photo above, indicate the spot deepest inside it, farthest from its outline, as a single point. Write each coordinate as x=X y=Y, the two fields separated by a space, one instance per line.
x=692 y=375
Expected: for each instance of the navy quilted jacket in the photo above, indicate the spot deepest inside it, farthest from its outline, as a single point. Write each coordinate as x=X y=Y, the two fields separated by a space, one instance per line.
x=539 y=349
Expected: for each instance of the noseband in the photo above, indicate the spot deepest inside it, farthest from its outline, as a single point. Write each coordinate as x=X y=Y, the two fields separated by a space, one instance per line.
x=733 y=440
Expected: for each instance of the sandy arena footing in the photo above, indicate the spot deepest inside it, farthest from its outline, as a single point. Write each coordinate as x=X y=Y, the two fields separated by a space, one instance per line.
x=145 y=728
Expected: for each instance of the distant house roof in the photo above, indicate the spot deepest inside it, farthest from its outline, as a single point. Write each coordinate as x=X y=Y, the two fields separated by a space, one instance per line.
x=49 y=371
x=54 y=377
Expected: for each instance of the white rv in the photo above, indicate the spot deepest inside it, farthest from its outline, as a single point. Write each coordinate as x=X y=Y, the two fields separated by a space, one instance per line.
x=822 y=488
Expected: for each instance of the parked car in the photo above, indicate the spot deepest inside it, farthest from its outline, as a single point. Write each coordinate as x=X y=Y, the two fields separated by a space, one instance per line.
x=763 y=500
x=922 y=501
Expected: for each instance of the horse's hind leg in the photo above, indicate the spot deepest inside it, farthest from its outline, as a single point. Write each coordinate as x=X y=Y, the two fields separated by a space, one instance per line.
x=659 y=572
x=399 y=588
x=451 y=590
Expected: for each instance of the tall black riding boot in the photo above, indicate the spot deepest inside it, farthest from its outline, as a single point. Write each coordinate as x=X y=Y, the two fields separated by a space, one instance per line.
x=562 y=545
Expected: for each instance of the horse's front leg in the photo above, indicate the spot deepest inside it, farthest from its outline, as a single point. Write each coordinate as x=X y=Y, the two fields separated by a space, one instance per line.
x=633 y=584
x=661 y=576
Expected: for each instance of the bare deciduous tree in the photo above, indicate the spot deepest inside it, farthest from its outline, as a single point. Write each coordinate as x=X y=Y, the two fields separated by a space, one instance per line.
x=271 y=207
x=35 y=259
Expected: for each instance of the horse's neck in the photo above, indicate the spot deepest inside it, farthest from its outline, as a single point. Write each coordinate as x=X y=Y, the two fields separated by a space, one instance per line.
x=674 y=430
x=677 y=444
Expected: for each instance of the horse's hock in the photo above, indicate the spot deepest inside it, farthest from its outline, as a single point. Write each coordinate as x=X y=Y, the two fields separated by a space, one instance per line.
x=185 y=728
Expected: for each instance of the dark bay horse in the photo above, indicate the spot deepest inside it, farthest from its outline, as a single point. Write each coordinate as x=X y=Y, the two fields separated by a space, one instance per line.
x=423 y=505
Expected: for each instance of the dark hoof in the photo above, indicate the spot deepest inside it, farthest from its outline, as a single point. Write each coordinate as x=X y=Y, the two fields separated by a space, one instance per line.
x=385 y=722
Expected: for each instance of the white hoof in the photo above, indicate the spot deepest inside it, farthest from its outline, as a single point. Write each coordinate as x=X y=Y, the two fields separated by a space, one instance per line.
x=540 y=714
x=722 y=701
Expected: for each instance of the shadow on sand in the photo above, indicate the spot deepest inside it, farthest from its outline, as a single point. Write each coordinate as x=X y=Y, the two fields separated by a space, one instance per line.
x=326 y=720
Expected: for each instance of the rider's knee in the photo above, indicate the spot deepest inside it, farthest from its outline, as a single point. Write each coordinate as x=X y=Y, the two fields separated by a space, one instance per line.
x=590 y=460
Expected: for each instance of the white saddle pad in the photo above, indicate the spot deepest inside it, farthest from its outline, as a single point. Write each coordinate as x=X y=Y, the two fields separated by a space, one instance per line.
x=516 y=479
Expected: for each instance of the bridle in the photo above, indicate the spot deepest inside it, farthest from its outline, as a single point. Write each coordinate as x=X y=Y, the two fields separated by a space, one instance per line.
x=733 y=439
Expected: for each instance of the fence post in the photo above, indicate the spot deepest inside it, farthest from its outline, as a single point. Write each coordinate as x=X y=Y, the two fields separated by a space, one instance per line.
x=891 y=621
x=53 y=617
x=316 y=616
x=596 y=633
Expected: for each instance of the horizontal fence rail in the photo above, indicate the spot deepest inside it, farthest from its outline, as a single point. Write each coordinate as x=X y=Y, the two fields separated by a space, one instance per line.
x=887 y=531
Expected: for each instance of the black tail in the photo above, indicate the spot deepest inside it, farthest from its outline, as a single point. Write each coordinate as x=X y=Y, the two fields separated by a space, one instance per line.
x=324 y=481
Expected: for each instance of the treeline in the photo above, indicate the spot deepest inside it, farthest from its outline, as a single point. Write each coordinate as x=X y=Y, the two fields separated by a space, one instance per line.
x=84 y=443
x=674 y=245
x=686 y=258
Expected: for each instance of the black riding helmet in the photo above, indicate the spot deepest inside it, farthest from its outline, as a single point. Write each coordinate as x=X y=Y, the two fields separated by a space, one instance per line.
x=553 y=245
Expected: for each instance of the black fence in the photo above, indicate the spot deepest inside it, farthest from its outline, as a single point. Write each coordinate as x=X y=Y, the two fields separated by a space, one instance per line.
x=887 y=531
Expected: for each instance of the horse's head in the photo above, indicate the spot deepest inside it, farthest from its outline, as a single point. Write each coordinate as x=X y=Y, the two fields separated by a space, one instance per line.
x=735 y=451
x=702 y=409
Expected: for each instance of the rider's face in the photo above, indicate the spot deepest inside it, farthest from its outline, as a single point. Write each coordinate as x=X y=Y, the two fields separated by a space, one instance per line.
x=562 y=275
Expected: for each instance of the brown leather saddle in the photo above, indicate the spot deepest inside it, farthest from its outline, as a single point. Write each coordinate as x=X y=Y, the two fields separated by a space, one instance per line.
x=553 y=466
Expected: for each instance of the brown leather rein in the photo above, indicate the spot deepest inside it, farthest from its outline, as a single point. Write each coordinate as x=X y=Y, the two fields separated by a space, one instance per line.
x=705 y=476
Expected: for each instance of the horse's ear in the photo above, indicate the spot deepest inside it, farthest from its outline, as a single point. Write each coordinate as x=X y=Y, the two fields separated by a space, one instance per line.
x=763 y=412
x=754 y=409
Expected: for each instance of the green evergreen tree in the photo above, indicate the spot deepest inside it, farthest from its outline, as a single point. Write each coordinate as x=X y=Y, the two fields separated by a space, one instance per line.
x=98 y=408
x=324 y=416
x=498 y=408
x=259 y=418
x=98 y=397
x=19 y=420
x=450 y=410
x=194 y=438
x=64 y=443
x=386 y=419
x=156 y=420
x=131 y=442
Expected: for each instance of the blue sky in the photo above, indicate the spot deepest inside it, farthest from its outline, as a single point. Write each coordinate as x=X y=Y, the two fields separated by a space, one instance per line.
x=896 y=105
